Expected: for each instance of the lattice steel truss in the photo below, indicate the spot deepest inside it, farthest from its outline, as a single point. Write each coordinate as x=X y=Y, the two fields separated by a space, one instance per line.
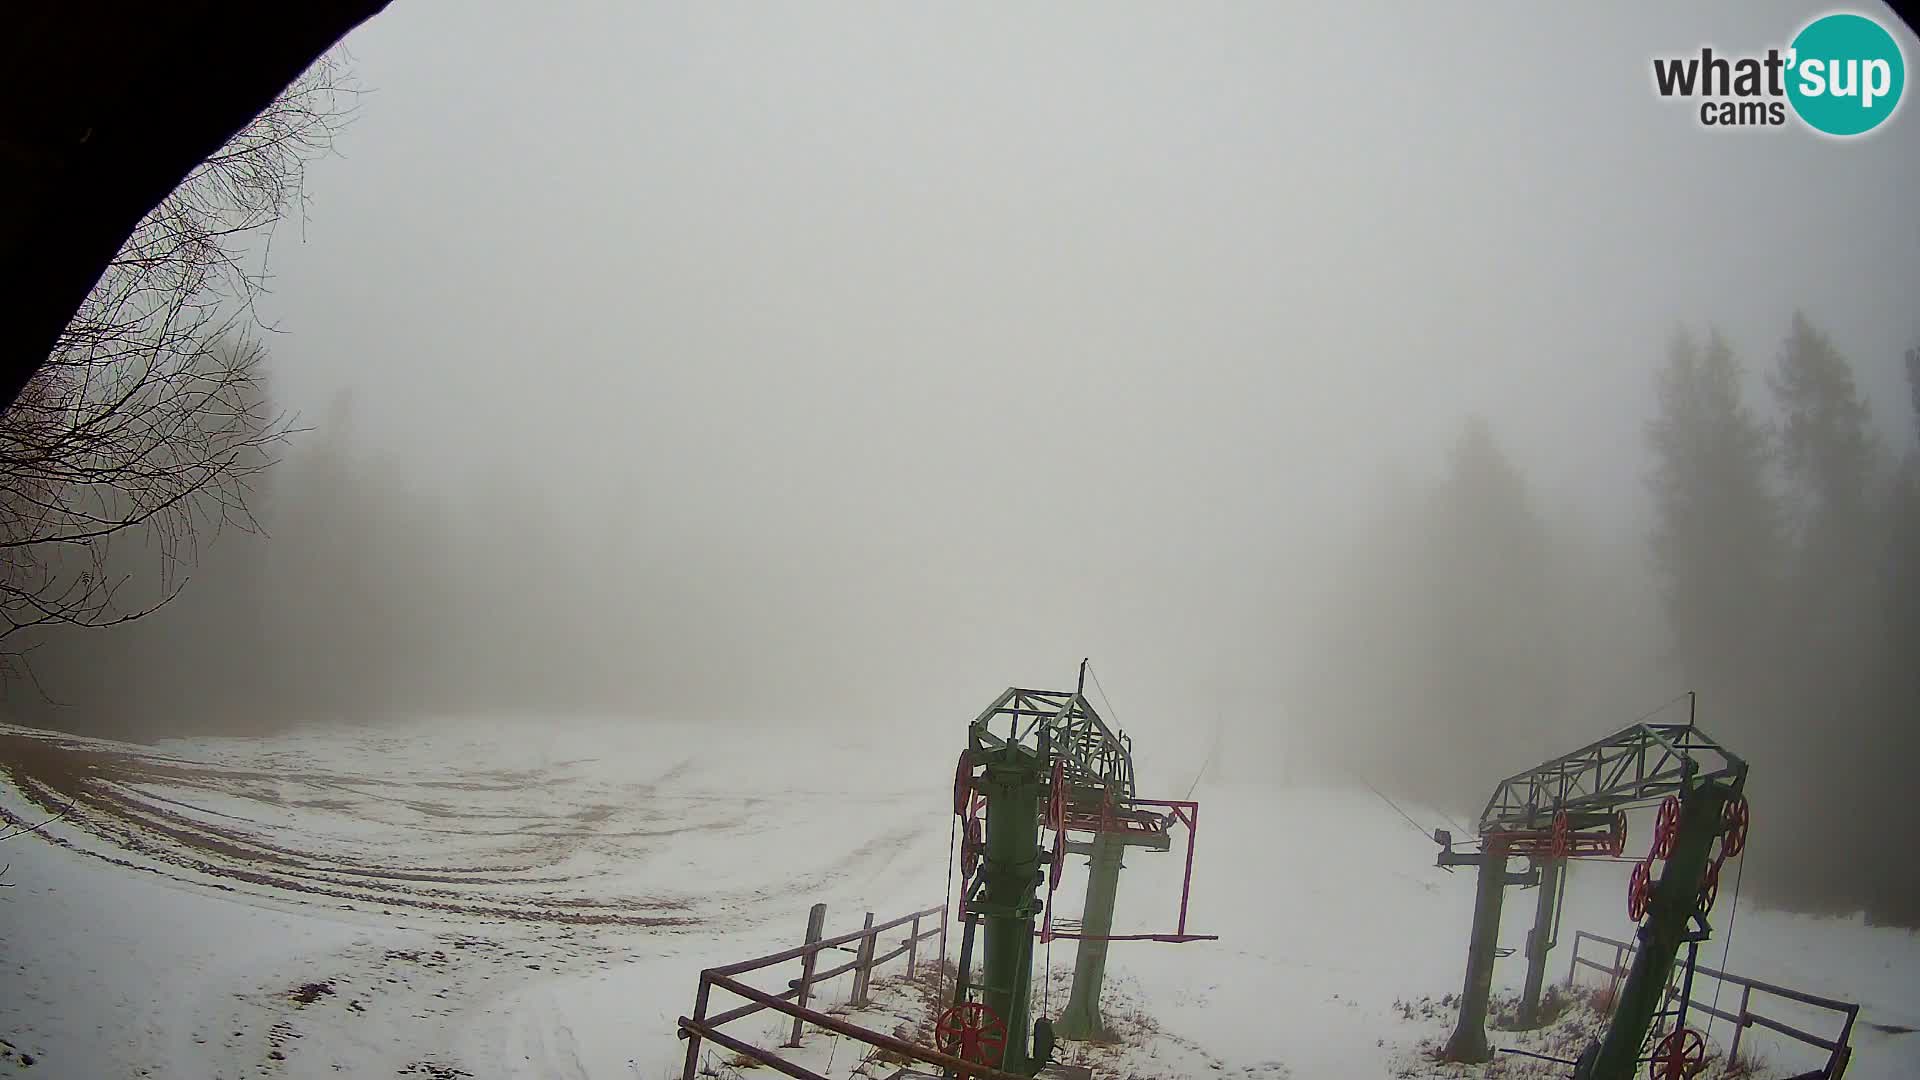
x=1634 y=765
x=1095 y=756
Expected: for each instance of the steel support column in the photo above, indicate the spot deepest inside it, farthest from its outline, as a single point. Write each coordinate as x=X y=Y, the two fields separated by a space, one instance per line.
x=1081 y=1020
x=1013 y=785
x=1469 y=1040
x=1540 y=941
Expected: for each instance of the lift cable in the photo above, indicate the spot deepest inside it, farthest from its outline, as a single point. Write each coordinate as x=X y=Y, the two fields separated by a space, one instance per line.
x=1424 y=833
x=1727 y=947
x=948 y=913
x=1462 y=830
x=1656 y=711
x=1212 y=749
x=1112 y=714
x=1046 y=982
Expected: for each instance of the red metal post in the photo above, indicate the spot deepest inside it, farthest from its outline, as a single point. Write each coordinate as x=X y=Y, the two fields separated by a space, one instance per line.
x=1843 y=1052
x=693 y=1038
x=1613 y=977
x=816 y=925
x=1740 y=1026
x=1186 y=883
x=863 y=971
x=913 y=945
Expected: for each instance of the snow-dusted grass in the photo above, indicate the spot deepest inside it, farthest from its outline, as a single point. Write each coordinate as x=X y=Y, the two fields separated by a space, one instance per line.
x=461 y=897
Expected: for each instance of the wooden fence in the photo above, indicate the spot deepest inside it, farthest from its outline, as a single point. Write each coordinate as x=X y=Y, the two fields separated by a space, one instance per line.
x=864 y=944
x=1837 y=1048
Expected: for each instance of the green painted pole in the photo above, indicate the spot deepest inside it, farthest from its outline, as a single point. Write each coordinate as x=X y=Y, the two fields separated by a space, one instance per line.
x=1671 y=907
x=1540 y=941
x=1469 y=1041
x=1013 y=786
x=1081 y=1020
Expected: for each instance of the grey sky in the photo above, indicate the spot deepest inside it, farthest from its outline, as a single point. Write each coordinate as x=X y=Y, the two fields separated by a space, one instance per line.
x=956 y=344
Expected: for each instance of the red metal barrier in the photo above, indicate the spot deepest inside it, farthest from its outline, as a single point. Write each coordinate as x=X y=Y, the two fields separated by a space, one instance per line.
x=1185 y=812
x=1838 y=1049
x=701 y=1026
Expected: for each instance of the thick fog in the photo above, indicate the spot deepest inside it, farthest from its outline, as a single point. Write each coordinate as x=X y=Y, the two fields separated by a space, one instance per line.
x=770 y=364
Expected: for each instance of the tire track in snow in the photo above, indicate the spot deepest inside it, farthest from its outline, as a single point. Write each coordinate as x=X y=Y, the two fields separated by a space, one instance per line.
x=106 y=794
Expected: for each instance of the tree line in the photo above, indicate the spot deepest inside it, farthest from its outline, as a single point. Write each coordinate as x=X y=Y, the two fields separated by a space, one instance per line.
x=1474 y=634
x=363 y=593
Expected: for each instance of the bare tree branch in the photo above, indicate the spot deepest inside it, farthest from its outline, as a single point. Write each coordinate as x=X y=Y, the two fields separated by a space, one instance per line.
x=25 y=829
x=151 y=416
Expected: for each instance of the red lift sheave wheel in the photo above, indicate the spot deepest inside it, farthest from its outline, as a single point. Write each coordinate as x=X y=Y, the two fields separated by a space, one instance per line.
x=1057 y=821
x=1562 y=841
x=1640 y=889
x=1680 y=1055
x=971 y=1032
x=972 y=846
x=1617 y=843
x=1733 y=837
x=1665 y=827
x=1057 y=796
x=1709 y=887
x=962 y=784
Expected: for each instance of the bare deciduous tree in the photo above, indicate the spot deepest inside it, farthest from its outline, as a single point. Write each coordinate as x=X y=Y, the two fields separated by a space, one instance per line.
x=150 y=417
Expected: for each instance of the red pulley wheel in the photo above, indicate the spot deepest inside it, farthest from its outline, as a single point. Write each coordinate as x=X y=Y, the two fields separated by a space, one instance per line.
x=962 y=783
x=1680 y=1055
x=1617 y=845
x=1562 y=841
x=1057 y=796
x=1665 y=827
x=1639 y=890
x=972 y=1032
x=1710 y=886
x=1733 y=837
x=971 y=847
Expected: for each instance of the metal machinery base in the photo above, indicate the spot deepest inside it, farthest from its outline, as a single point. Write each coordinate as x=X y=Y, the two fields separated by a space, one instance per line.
x=1049 y=1073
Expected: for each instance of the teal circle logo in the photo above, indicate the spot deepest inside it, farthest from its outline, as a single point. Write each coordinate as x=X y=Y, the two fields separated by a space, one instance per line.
x=1845 y=74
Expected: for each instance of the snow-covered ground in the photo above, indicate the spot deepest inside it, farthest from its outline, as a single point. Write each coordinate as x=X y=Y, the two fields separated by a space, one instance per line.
x=462 y=898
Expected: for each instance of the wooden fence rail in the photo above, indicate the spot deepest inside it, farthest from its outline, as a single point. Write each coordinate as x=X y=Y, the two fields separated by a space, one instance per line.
x=1839 y=1052
x=864 y=943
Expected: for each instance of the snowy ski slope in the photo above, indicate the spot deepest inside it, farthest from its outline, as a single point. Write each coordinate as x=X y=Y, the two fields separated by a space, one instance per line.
x=474 y=898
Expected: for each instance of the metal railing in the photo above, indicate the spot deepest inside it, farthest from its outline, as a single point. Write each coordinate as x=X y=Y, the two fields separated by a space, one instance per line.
x=865 y=943
x=1838 y=1049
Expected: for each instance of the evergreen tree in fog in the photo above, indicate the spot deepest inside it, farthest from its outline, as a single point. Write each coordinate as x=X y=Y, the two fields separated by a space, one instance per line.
x=1895 y=730
x=1497 y=675
x=1825 y=744
x=1717 y=539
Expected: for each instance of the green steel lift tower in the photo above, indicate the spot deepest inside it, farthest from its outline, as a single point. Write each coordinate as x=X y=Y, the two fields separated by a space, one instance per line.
x=1043 y=761
x=1574 y=806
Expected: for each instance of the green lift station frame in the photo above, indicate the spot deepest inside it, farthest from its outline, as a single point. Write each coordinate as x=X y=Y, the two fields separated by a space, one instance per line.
x=1039 y=760
x=1574 y=806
